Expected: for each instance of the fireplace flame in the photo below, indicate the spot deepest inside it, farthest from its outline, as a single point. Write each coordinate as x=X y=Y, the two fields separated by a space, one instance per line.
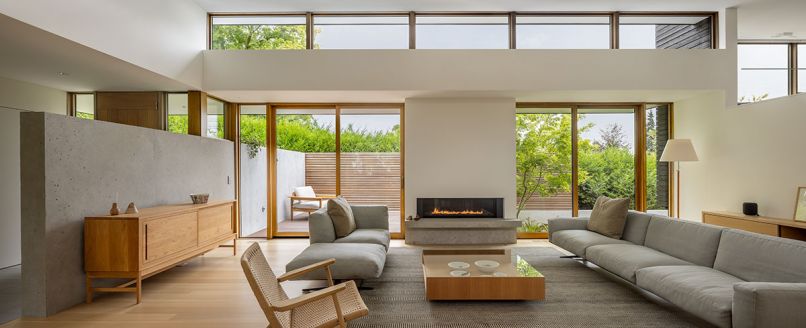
x=438 y=211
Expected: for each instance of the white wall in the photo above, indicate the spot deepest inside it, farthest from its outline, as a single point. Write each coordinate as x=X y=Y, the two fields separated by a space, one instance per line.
x=749 y=153
x=460 y=148
x=16 y=96
x=166 y=37
x=290 y=175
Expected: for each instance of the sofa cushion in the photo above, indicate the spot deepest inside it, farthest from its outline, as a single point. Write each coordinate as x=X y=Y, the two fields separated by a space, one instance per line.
x=353 y=261
x=576 y=241
x=756 y=257
x=367 y=236
x=691 y=241
x=704 y=292
x=342 y=215
x=624 y=260
x=635 y=227
x=608 y=216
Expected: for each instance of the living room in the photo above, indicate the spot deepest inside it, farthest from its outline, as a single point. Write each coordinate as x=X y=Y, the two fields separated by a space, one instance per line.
x=418 y=164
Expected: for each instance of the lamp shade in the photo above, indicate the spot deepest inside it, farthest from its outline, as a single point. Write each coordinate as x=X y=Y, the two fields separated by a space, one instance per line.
x=679 y=150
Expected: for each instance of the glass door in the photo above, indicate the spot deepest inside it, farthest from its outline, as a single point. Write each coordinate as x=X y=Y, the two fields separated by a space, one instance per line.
x=370 y=159
x=304 y=173
x=606 y=151
x=253 y=201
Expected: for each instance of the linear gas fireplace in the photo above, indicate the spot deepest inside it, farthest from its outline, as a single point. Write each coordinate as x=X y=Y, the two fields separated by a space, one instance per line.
x=460 y=207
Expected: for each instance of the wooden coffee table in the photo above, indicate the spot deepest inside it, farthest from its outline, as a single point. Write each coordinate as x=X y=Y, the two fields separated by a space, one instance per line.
x=518 y=281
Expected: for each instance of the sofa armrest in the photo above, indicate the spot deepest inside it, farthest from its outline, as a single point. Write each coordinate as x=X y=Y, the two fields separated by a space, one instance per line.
x=560 y=224
x=768 y=304
x=371 y=216
x=320 y=227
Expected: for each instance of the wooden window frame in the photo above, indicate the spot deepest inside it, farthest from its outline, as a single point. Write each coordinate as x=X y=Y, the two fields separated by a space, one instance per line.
x=792 y=63
x=71 y=103
x=511 y=15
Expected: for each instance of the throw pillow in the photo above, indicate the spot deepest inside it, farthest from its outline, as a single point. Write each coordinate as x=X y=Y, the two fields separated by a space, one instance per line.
x=342 y=215
x=609 y=216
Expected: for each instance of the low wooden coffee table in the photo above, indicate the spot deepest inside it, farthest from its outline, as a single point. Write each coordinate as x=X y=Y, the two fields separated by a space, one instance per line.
x=519 y=281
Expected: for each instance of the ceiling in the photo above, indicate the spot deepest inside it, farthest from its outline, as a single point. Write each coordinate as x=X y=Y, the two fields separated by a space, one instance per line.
x=759 y=19
x=33 y=55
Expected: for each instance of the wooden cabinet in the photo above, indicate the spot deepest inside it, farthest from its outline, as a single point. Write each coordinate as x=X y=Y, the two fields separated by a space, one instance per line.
x=758 y=224
x=140 y=245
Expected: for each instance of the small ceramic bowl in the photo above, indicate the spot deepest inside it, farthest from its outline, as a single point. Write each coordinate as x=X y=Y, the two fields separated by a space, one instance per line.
x=199 y=198
x=460 y=273
x=487 y=266
x=458 y=265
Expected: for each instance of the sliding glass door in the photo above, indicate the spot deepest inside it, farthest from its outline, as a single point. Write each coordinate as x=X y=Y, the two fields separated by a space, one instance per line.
x=321 y=151
x=253 y=200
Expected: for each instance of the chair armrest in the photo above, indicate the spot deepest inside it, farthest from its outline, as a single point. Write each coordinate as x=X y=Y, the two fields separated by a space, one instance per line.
x=303 y=270
x=306 y=198
x=371 y=216
x=308 y=298
x=320 y=227
x=768 y=304
x=560 y=224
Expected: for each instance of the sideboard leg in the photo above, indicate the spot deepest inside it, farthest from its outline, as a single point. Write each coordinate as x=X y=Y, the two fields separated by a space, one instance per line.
x=235 y=246
x=89 y=289
x=139 y=286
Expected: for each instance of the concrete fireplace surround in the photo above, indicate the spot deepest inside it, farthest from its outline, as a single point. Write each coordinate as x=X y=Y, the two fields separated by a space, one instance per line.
x=455 y=231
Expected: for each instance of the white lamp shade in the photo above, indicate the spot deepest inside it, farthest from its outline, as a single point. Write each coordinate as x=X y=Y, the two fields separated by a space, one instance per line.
x=679 y=150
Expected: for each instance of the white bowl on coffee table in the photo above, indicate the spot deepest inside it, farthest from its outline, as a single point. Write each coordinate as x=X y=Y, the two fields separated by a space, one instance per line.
x=487 y=266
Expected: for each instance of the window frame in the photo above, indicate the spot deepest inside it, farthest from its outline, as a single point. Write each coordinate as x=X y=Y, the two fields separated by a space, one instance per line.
x=792 y=63
x=512 y=15
x=72 y=109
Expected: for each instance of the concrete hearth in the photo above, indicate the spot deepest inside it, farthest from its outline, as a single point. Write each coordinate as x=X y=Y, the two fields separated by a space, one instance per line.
x=429 y=231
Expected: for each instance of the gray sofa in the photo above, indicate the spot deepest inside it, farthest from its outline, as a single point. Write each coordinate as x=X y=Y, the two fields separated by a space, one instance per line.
x=359 y=255
x=728 y=277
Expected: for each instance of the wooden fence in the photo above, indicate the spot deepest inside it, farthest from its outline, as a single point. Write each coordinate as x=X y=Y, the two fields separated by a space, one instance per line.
x=366 y=178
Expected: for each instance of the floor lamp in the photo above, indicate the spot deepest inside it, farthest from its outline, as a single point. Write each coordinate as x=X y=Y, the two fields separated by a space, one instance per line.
x=676 y=151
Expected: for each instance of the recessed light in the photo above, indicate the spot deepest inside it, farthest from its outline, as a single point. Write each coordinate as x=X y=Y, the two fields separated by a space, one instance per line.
x=62 y=73
x=784 y=35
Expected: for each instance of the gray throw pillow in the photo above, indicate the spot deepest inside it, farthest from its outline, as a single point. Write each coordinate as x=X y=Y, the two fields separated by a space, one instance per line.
x=342 y=215
x=609 y=216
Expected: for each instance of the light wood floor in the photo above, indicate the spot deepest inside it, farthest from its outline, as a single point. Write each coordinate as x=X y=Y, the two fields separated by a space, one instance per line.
x=209 y=291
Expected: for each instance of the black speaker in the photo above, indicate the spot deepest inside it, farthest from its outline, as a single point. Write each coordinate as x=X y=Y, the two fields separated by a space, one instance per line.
x=750 y=208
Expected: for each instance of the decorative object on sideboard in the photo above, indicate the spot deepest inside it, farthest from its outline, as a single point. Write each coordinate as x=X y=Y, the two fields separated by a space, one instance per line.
x=114 y=210
x=199 y=198
x=132 y=209
x=800 y=205
x=678 y=150
x=750 y=209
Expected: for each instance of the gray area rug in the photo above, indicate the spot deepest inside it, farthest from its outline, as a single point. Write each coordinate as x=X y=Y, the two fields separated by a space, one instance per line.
x=576 y=296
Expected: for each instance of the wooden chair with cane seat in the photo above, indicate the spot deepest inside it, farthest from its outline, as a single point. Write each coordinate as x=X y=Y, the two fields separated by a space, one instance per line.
x=329 y=307
x=305 y=199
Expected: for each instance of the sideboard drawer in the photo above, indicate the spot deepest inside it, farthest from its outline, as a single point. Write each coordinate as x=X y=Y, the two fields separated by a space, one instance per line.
x=752 y=226
x=214 y=223
x=167 y=236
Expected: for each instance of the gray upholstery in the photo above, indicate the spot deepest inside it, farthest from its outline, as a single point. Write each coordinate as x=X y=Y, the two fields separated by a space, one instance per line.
x=691 y=241
x=755 y=257
x=367 y=236
x=353 y=261
x=635 y=227
x=367 y=217
x=566 y=224
x=702 y=291
x=576 y=241
x=624 y=260
x=768 y=305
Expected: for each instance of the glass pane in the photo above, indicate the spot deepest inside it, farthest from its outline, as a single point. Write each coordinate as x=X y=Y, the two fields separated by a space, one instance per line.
x=361 y=32
x=657 y=173
x=543 y=157
x=606 y=156
x=85 y=105
x=178 y=113
x=215 y=118
x=763 y=71
x=258 y=32
x=664 y=32
x=563 y=32
x=802 y=68
x=254 y=170
x=462 y=32
x=306 y=164
x=370 y=159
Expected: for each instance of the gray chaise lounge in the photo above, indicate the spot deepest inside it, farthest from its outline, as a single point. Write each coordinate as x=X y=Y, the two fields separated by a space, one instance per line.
x=359 y=255
x=728 y=277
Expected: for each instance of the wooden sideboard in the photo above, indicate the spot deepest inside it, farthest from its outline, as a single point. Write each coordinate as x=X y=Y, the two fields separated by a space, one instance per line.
x=137 y=246
x=764 y=225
